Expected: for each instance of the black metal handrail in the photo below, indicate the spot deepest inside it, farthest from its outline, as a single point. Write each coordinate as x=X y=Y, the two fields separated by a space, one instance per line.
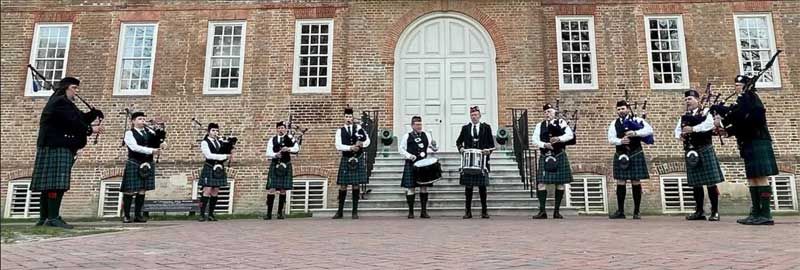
x=370 y=124
x=523 y=154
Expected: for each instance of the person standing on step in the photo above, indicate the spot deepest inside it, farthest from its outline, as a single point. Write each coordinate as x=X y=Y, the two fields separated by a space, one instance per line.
x=351 y=140
x=629 y=160
x=214 y=173
x=140 y=170
x=551 y=137
x=279 y=150
x=63 y=130
x=747 y=121
x=695 y=128
x=476 y=135
x=415 y=145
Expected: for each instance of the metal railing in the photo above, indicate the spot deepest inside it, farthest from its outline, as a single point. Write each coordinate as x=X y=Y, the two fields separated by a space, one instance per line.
x=525 y=157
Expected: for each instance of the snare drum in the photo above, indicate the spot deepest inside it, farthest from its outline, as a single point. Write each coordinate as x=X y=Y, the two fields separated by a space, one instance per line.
x=427 y=170
x=473 y=162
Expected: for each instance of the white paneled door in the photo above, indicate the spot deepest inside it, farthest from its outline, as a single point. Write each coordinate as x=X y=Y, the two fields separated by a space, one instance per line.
x=445 y=65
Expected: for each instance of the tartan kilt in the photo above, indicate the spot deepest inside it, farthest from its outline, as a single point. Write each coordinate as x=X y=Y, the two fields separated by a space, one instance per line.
x=207 y=178
x=707 y=172
x=280 y=182
x=637 y=169
x=480 y=180
x=409 y=181
x=52 y=168
x=563 y=174
x=132 y=182
x=346 y=176
x=759 y=158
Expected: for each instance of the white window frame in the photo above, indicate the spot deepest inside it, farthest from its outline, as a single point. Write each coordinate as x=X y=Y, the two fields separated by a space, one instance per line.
x=33 y=53
x=120 y=53
x=296 y=88
x=773 y=48
x=207 y=89
x=582 y=182
x=196 y=191
x=592 y=53
x=305 y=182
x=27 y=212
x=684 y=62
x=682 y=196
x=792 y=189
x=101 y=203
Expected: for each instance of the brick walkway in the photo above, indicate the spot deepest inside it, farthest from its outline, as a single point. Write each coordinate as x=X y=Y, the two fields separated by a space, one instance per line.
x=394 y=243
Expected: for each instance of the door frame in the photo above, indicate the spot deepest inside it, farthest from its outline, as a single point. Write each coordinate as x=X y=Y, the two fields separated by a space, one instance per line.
x=398 y=122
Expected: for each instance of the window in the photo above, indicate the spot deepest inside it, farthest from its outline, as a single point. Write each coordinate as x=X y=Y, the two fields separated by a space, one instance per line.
x=667 y=52
x=308 y=194
x=135 y=59
x=313 y=51
x=224 y=58
x=588 y=194
x=20 y=201
x=676 y=195
x=49 y=51
x=576 y=53
x=225 y=200
x=784 y=193
x=110 y=199
x=756 y=44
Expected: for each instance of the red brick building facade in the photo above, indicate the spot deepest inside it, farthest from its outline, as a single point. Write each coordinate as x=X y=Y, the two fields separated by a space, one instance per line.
x=523 y=47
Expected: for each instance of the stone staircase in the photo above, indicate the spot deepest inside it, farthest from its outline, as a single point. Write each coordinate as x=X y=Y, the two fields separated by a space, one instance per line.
x=506 y=192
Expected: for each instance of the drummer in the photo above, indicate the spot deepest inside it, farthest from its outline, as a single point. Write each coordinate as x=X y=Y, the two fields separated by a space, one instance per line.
x=414 y=147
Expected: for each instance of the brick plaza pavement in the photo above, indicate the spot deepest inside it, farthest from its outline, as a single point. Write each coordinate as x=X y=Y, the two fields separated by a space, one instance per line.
x=443 y=243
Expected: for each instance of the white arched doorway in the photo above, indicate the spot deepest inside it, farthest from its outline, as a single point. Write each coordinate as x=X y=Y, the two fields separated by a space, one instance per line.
x=444 y=63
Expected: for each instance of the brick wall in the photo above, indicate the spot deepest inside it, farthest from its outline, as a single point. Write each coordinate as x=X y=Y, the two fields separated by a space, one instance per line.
x=366 y=33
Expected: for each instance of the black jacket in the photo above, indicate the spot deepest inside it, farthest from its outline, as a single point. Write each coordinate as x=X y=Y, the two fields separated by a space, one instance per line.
x=62 y=124
x=485 y=137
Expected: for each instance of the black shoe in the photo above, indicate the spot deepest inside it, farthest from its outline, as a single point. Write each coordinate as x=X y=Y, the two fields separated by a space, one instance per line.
x=40 y=222
x=355 y=216
x=126 y=220
x=410 y=215
x=268 y=217
x=745 y=221
x=696 y=216
x=637 y=216
x=617 y=215
x=338 y=215
x=57 y=222
x=424 y=214
x=212 y=218
x=281 y=216
x=484 y=214
x=713 y=217
x=139 y=219
x=761 y=221
x=540 y=215
x=467 y=215
x=202 y=218
x=557 y=215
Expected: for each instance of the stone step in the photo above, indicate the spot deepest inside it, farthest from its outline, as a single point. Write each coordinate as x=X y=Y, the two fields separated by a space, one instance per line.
x=436 y=194
x=514 y=182
x=494 y=171
x=443 y=212
x=448 y=203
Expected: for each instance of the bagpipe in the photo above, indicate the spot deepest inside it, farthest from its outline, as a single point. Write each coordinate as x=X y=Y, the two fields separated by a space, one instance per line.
x=556 y=130
x=226 y=146
x=631 y=123
x=719 y=108
x=358 y=139
x=295 y=131
x=41 y=83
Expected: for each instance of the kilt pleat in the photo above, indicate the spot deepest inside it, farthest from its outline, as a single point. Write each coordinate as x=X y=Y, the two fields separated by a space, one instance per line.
x=52 y=169
x=132 y=182
x=347 y=176
x=707 y=171
x=759 y=158
x=637 y=169
x=275 y=181
x=562 y=175
x=207 y=178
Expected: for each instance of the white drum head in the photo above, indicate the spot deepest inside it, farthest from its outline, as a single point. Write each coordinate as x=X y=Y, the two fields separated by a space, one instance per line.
x=426 y=162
